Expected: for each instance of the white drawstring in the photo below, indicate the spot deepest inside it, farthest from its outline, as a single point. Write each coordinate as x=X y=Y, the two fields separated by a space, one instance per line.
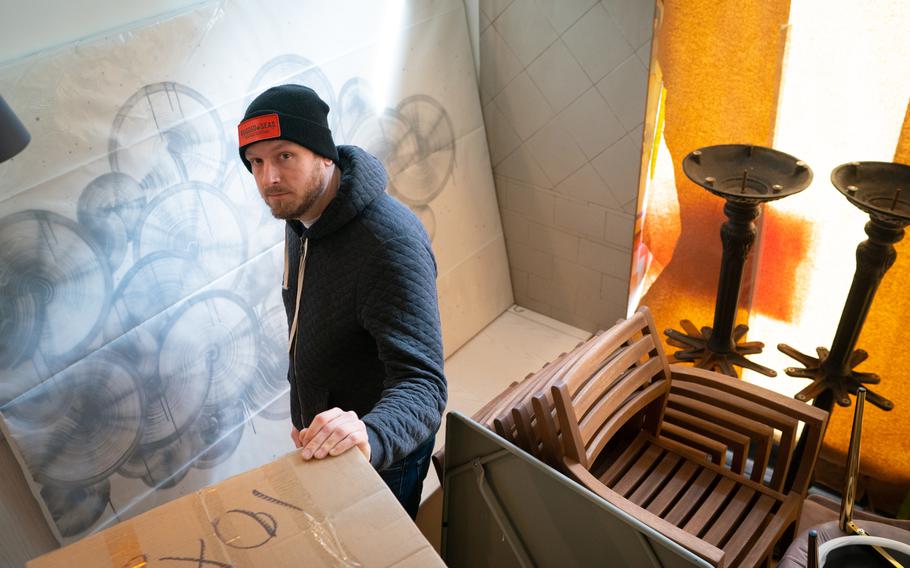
x=284 y=279
x=303 y=253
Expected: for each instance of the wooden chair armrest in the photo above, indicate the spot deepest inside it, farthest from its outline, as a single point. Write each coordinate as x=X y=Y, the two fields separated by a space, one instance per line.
x=753 y=393
x=710 y=553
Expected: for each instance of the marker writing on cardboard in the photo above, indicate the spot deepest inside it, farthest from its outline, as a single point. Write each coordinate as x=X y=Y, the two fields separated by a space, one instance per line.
x=201 y=561
x=261 y=495
x=264 y=520
x=322 y=531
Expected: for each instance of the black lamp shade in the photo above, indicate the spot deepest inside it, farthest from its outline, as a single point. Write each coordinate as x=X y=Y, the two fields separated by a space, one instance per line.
x=13 y=135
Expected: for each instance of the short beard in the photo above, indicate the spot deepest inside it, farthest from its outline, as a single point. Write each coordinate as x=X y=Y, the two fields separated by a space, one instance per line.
x=288 y=211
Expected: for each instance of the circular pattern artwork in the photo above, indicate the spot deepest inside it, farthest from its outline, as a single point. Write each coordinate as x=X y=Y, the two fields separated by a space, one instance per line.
x=55 y=285
x=109 y=208
x=76 y=509
x=167 y=133
x=212 y=338
x=95 y=433
x=421 y=171
x=195 y=219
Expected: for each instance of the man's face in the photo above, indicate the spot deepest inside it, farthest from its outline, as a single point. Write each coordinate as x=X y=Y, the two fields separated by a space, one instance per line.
x=290 y=177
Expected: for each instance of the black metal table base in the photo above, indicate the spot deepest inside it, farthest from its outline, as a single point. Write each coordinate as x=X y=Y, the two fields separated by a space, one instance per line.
x=840 y=387
x=744 y=176
x=695 y=349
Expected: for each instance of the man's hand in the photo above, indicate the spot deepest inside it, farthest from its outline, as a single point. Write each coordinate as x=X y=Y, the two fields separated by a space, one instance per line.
x=334 y=432
x=295 y=435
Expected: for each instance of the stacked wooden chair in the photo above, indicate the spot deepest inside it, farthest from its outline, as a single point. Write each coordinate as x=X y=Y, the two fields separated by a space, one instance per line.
x=699 y=456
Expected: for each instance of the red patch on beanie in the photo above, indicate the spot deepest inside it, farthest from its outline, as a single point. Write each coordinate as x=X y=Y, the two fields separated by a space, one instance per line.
x=258 y=128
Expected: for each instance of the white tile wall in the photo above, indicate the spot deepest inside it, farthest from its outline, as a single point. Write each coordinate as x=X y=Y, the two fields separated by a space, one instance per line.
x=598 y=43
x=592 y=123
x=519 y=165
x=586 y=185
x=564 y=13
x=525 y=29
x=532 y=203
x=516 y=227
x=556 y=242
x=558 y=76
x=613 y=164
x=500 y=65
x=579 y=217
x=493 y=8
x=501 y=137
x=635 y=18
x=622 y=88
x=605 y=259
x=618 y=227
x=558 y=155
x=484 y=20
x=567 y=80
x=524 y=258
x=644 y=54
x=524 y=106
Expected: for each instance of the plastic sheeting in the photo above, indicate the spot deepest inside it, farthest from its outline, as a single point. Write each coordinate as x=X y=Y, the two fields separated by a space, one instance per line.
x=142 y=354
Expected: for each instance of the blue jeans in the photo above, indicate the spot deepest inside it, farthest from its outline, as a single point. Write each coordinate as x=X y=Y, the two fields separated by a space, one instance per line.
x=405 y=477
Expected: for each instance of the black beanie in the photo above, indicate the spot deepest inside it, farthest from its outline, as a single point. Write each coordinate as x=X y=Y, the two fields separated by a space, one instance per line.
x=288 y=112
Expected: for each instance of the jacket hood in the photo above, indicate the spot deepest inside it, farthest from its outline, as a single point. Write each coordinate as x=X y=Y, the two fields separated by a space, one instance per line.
x=363 y=179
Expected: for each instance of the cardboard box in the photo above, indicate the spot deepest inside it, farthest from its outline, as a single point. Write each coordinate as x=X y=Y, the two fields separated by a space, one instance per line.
x=331 y=512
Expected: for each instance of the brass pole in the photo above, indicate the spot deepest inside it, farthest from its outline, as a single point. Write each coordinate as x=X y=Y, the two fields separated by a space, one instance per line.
x=852 y=474
x=852 y=477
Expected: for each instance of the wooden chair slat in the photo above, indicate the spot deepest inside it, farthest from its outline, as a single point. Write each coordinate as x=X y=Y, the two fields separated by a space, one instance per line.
x=749 y=529
x=604 y=345
x=714 y=450
x=636 y=404
x=625 y=460
x=591 y=390
x=590 y=419
x=705 y=514
x=729 y=518
x=761 y=436
x=638 y=470
x=674 y=489
x=695 y=494
x=656 y=479
x=737 y=443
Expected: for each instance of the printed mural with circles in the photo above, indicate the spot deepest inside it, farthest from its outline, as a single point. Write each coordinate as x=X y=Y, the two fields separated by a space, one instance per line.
x=139 y=338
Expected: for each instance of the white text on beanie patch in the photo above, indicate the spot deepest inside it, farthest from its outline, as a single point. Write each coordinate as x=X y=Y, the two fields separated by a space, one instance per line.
x=258 y=128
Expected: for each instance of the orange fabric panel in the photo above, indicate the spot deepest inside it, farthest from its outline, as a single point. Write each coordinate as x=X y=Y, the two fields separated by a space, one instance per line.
x=779 y=290
x=885 y=450
x=721 y=64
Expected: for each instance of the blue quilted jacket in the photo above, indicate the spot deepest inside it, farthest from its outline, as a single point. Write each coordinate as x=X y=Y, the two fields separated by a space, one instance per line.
x=368 y=336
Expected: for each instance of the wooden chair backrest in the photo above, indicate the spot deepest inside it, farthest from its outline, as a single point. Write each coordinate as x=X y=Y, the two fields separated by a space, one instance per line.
x=512 y=413
x=624 y=374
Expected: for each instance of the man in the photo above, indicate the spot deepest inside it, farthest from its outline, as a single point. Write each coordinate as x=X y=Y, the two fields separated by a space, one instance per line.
x=359 y=289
